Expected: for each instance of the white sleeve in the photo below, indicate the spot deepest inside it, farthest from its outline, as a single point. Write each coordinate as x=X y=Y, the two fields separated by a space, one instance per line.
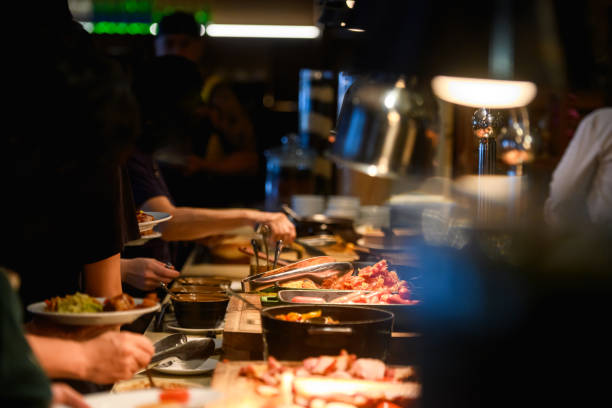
x=571 y=180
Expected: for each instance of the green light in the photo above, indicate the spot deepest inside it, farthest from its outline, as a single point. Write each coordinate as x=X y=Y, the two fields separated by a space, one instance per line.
x=133 y=29
x=121 y=28
x=202 y=17
x=101 y=28
x=110 y=27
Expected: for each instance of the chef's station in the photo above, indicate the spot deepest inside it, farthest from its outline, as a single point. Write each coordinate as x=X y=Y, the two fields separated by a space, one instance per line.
x=423 y=272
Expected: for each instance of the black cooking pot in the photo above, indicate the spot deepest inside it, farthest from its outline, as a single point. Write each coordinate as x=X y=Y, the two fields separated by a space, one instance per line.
x=320 y=224
x=365 y=332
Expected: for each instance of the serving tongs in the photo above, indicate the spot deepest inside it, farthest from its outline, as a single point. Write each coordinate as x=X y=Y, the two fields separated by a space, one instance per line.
x=193 y=349
x=316 y=273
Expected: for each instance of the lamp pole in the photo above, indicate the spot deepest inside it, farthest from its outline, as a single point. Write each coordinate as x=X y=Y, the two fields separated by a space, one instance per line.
x=484 y=124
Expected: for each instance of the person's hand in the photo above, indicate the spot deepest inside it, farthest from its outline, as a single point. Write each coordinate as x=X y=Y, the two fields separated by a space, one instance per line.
x=115 y=356
x=66 y=395
x=280 y=226
x=146 y=273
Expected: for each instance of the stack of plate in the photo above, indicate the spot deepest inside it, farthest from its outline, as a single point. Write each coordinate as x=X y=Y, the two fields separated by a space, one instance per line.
x=307 y=205
x=343 y=207
x=407 y=209
x=374 y=216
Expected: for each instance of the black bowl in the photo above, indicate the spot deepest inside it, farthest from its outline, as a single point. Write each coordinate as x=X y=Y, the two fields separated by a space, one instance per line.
x=363 y=331
x=199 y=310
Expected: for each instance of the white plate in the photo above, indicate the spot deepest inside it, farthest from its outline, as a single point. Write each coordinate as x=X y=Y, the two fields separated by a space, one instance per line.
x=174 y=326
x=143 y=239
x=177 y=366
x=92 y=319
x=159 y=218
x=133 y=399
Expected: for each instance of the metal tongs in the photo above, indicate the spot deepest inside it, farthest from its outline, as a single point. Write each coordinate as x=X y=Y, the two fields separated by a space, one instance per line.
x=265 y=230
x=178 y=346
x=194 y=349
x=317 y=273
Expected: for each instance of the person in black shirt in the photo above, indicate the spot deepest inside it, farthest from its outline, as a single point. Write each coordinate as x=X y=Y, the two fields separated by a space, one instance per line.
x=66 y=205
x=168 y=89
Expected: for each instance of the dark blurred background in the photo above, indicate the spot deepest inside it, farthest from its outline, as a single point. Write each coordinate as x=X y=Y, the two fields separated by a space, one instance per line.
x=564 y=47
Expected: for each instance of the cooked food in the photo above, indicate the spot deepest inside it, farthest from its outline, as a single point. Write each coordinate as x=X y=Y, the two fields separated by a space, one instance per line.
x=142 y=216
x=342 y=378
x=82 y=303
x=119 y=302
x=174 y=395
x=375 y=277
x=126 y=302
x=355 y=393
x=384 y=296
x=77 y=303
x=371 y=278
x=149 y=300
x=307 y=299
x=306 y=317
x=159 y=383
x=300 y=284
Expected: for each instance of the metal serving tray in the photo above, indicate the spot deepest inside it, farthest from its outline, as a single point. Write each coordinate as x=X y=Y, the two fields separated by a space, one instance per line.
x=317 y=273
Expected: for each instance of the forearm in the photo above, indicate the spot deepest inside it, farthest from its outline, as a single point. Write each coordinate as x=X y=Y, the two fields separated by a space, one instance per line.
x=59 y=358
x=103 y=278
x=190 y=223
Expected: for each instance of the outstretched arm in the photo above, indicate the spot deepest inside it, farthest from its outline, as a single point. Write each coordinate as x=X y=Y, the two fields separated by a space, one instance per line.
x=190 y=223
x=89 y=360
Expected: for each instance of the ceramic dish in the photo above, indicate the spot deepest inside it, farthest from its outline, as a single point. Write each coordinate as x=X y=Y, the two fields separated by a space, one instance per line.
x=92 y=319
x=144 y=239
x=159 y=218
x=135 y=399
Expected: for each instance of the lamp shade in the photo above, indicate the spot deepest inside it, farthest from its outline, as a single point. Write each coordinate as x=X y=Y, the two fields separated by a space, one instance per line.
x=478 y=93
x=380 y=127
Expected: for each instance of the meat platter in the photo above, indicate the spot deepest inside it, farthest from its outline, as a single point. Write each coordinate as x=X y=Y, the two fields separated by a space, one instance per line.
x=322 y=381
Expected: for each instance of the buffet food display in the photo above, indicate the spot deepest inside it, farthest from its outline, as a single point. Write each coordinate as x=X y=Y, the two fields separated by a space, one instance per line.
x=374 y=277
x=329 y=379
